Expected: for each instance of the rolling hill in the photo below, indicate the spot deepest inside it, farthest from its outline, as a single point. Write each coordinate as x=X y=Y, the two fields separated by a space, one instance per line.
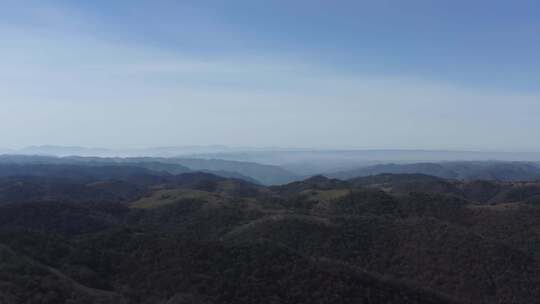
x=98 y=235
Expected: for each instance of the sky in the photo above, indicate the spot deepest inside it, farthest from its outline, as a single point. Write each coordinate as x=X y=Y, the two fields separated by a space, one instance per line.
x=380 y=74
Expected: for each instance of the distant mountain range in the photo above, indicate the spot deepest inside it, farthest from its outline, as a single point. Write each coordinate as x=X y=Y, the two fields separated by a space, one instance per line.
x=284 y=166
x=51 y=150
x=301 y=162
x=311 y=162
x=172 y=151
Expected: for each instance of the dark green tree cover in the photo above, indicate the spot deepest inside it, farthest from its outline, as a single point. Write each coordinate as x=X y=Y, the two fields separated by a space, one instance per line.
x=391 y=239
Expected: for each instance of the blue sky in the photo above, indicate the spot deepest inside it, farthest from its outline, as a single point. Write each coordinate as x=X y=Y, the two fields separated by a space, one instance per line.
x=324 y=74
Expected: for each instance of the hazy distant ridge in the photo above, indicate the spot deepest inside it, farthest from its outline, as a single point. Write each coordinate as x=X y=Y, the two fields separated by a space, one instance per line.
x=501 y=171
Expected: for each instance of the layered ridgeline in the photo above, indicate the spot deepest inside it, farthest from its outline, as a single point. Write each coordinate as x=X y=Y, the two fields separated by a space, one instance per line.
x=123 y=234
x=253 y=172
x=471 y=170
x=268 y=174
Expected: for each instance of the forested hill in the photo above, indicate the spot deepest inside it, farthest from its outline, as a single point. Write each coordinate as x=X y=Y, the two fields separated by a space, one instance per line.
x=136 y=236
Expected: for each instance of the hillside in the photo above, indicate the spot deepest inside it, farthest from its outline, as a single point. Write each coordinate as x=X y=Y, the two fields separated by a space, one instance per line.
x=201 y=238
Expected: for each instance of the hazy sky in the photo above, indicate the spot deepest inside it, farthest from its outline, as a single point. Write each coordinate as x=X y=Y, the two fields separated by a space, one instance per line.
x=457 y=74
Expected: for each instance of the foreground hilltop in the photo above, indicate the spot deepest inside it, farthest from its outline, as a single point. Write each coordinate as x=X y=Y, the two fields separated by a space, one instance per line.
x=132 y=235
